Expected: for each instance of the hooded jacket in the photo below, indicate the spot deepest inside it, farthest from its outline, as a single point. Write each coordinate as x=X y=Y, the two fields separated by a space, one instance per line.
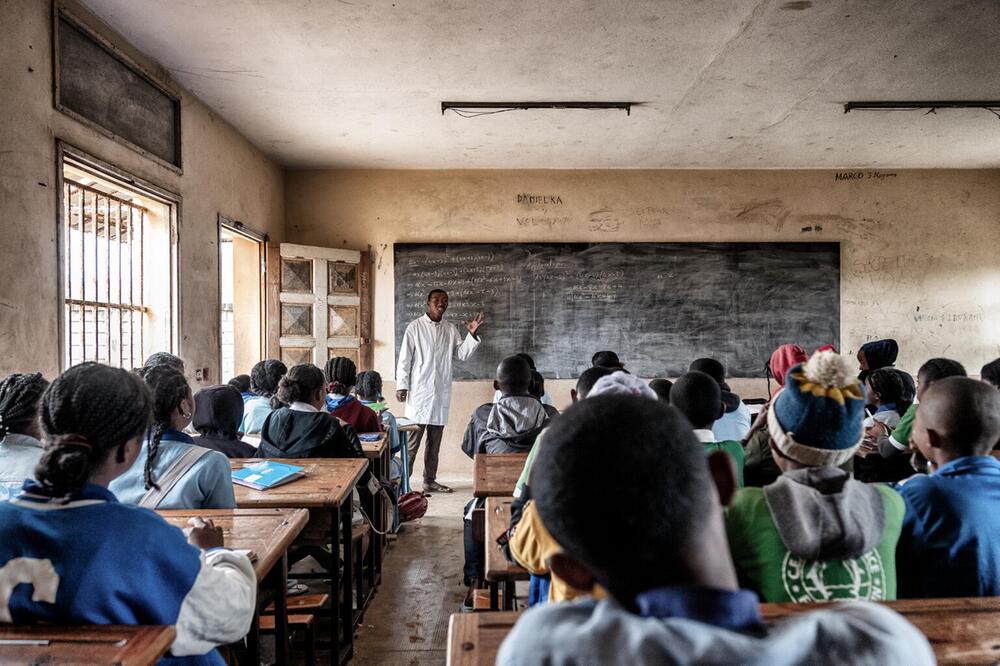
x=217 y=416
x=509 y=425
x=290 y=433
x=816 y=535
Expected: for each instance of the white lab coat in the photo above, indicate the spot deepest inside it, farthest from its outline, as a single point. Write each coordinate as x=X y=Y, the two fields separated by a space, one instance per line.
x=424 y=368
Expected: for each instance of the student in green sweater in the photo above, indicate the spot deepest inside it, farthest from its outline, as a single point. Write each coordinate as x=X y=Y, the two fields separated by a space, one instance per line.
x=816 y=534
x=698 y=396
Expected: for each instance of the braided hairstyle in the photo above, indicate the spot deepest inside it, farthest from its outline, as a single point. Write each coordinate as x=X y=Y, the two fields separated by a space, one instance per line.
x=87 y=412
x=19 y=396
x=369 y=386
x=341 y=374
x=891 y=388
x=265 y=375
x=169 y=388
x=164 y=358
x=298 y=385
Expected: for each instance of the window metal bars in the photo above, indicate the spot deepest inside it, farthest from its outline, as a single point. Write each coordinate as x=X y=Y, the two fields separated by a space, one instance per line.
x=103 y=290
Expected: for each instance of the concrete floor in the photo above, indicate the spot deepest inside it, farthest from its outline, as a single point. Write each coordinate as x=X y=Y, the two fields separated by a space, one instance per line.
x=407 y=621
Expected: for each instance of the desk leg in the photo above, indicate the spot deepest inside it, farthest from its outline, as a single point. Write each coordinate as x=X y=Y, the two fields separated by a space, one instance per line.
x=253 y=638
x=404 y=455
x=346 y=584
x=335 y=586
x=508 y=595
x=280 y=577
x=494 y=595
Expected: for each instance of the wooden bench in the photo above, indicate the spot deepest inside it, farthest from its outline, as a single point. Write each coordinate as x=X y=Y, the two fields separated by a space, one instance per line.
x=960 y=631
x=495 y=475
x=84 y=644
x=500 y=572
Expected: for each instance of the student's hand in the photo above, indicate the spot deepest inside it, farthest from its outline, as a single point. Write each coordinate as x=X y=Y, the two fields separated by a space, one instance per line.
x=203 y=534
x=474 y=325
x=401 y=395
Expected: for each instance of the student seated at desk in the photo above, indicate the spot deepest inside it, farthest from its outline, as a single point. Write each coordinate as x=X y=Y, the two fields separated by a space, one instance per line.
x=891 y=391
x=242 y=384
x=734 y=423
x=20 y=448
x=369 y=392
x=86 y=558
x=950 y=546
x=663 y=558
x=264 y=378
x=537 y=387
x=930 y=372
x=699 y=398
x=217 y=415
x=171 y=472
x=816 y=534
x=341 y=376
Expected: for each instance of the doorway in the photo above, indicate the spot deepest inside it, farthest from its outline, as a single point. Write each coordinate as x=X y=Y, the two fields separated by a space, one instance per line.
x=241 y=297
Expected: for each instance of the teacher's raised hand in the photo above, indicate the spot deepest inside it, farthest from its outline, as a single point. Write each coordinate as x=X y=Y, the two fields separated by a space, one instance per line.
x=474 y=325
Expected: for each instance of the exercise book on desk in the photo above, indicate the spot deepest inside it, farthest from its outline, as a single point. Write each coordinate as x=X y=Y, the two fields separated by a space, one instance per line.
x=267 y=474
x=370 y=436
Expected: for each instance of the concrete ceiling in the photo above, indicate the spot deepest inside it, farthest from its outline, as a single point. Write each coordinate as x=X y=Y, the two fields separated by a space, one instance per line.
x=738 y=84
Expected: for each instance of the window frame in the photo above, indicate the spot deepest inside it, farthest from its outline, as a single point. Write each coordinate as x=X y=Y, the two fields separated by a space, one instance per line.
x=66 y=153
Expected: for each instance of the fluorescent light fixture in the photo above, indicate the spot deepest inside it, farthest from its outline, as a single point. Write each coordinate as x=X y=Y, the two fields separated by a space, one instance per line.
x=471 y=109
x=931 y=105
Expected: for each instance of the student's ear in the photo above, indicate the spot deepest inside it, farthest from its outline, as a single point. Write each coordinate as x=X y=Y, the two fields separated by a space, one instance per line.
x=722 y=411
x=320 y=396
x=496 y=385
x=723 y=471
x=572 y=395
x=935 y=439
x=571 y=570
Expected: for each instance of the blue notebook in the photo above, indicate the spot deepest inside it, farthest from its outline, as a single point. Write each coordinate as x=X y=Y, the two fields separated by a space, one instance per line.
x=267 y=474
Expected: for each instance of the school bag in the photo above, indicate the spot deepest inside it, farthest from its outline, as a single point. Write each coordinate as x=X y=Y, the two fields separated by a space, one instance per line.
x=412 y=505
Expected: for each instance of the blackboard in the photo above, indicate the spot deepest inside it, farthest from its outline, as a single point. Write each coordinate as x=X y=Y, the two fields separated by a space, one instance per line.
x=97 y=86
x=659 y=305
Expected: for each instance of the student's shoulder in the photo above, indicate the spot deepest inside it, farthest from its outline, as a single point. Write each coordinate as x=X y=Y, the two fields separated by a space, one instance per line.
x=544 y=628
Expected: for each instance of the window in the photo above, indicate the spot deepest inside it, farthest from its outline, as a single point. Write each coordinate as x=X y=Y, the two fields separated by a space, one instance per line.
x=118 y=261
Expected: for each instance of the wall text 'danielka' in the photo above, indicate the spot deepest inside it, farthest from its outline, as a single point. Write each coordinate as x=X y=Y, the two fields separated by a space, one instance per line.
x=540 y=199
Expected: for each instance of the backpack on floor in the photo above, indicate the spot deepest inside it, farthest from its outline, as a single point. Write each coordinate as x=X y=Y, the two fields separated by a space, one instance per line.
x=412 y=505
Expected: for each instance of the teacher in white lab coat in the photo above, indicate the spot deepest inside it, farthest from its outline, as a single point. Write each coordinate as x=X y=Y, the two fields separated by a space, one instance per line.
x=423 y=378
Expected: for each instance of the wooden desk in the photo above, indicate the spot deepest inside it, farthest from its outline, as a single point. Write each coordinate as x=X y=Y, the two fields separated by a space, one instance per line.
x=499 y=570
x=326 y=492
x=495 y=475
x=84 y=644
x=378 y=454
x=960 y=631
x=268 y=533
x=404 y=430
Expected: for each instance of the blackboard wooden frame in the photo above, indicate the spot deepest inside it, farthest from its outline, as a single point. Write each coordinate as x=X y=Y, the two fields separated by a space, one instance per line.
x=62 y=13
x=670 y=302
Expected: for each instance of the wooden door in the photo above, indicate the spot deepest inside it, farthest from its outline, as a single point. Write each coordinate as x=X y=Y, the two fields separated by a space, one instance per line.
x=319 y=304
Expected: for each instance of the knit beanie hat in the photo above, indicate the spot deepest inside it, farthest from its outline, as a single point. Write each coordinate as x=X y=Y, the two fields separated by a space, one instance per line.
x=816 y=419
x=621 y=383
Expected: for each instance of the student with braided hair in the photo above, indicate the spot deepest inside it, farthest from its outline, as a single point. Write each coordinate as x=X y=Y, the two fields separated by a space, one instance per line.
x=341 y=376
x=70 y=553
x=264 y=378
x=20 y=449
x=171 y=472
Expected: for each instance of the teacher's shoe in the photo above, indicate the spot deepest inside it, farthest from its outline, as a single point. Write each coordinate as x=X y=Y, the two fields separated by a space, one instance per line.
x=435 y=487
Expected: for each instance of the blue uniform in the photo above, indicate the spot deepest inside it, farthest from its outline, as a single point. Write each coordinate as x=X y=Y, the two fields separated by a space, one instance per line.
x=950 y=545
x=92 y=560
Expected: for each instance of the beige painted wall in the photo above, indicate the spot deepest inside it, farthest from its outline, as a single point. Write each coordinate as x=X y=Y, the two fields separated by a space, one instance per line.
x=918 y=247
x=223 y=173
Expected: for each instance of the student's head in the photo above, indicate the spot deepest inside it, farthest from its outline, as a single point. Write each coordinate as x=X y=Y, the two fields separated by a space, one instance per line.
x=661 y=387
x=303 y=383
x=173 y=408
x=265 y=375
x=888 y=386
x=698 y=397
x=527 y=357
x=218 y=411
x=537 y=385
x=164 y=358
x=621 y=382
x=437 y=303
x=958 y=417
x=878 y=354
x=88 y=413
x=935 y=370
x=369 y=386
x=710 y=367
x=19 y=398
x=816 y=421
x=784 y=359
x=241 y=383
x=587 y=380
x=606 y=359
x=991 y=373
x=341 y=375
x=637 y=537
x=513 y=376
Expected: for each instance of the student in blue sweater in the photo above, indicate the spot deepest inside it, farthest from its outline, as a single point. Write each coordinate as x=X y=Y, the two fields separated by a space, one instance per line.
x=20 y=448
x=171 y=472
x=950 y=545
x=71 y=554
